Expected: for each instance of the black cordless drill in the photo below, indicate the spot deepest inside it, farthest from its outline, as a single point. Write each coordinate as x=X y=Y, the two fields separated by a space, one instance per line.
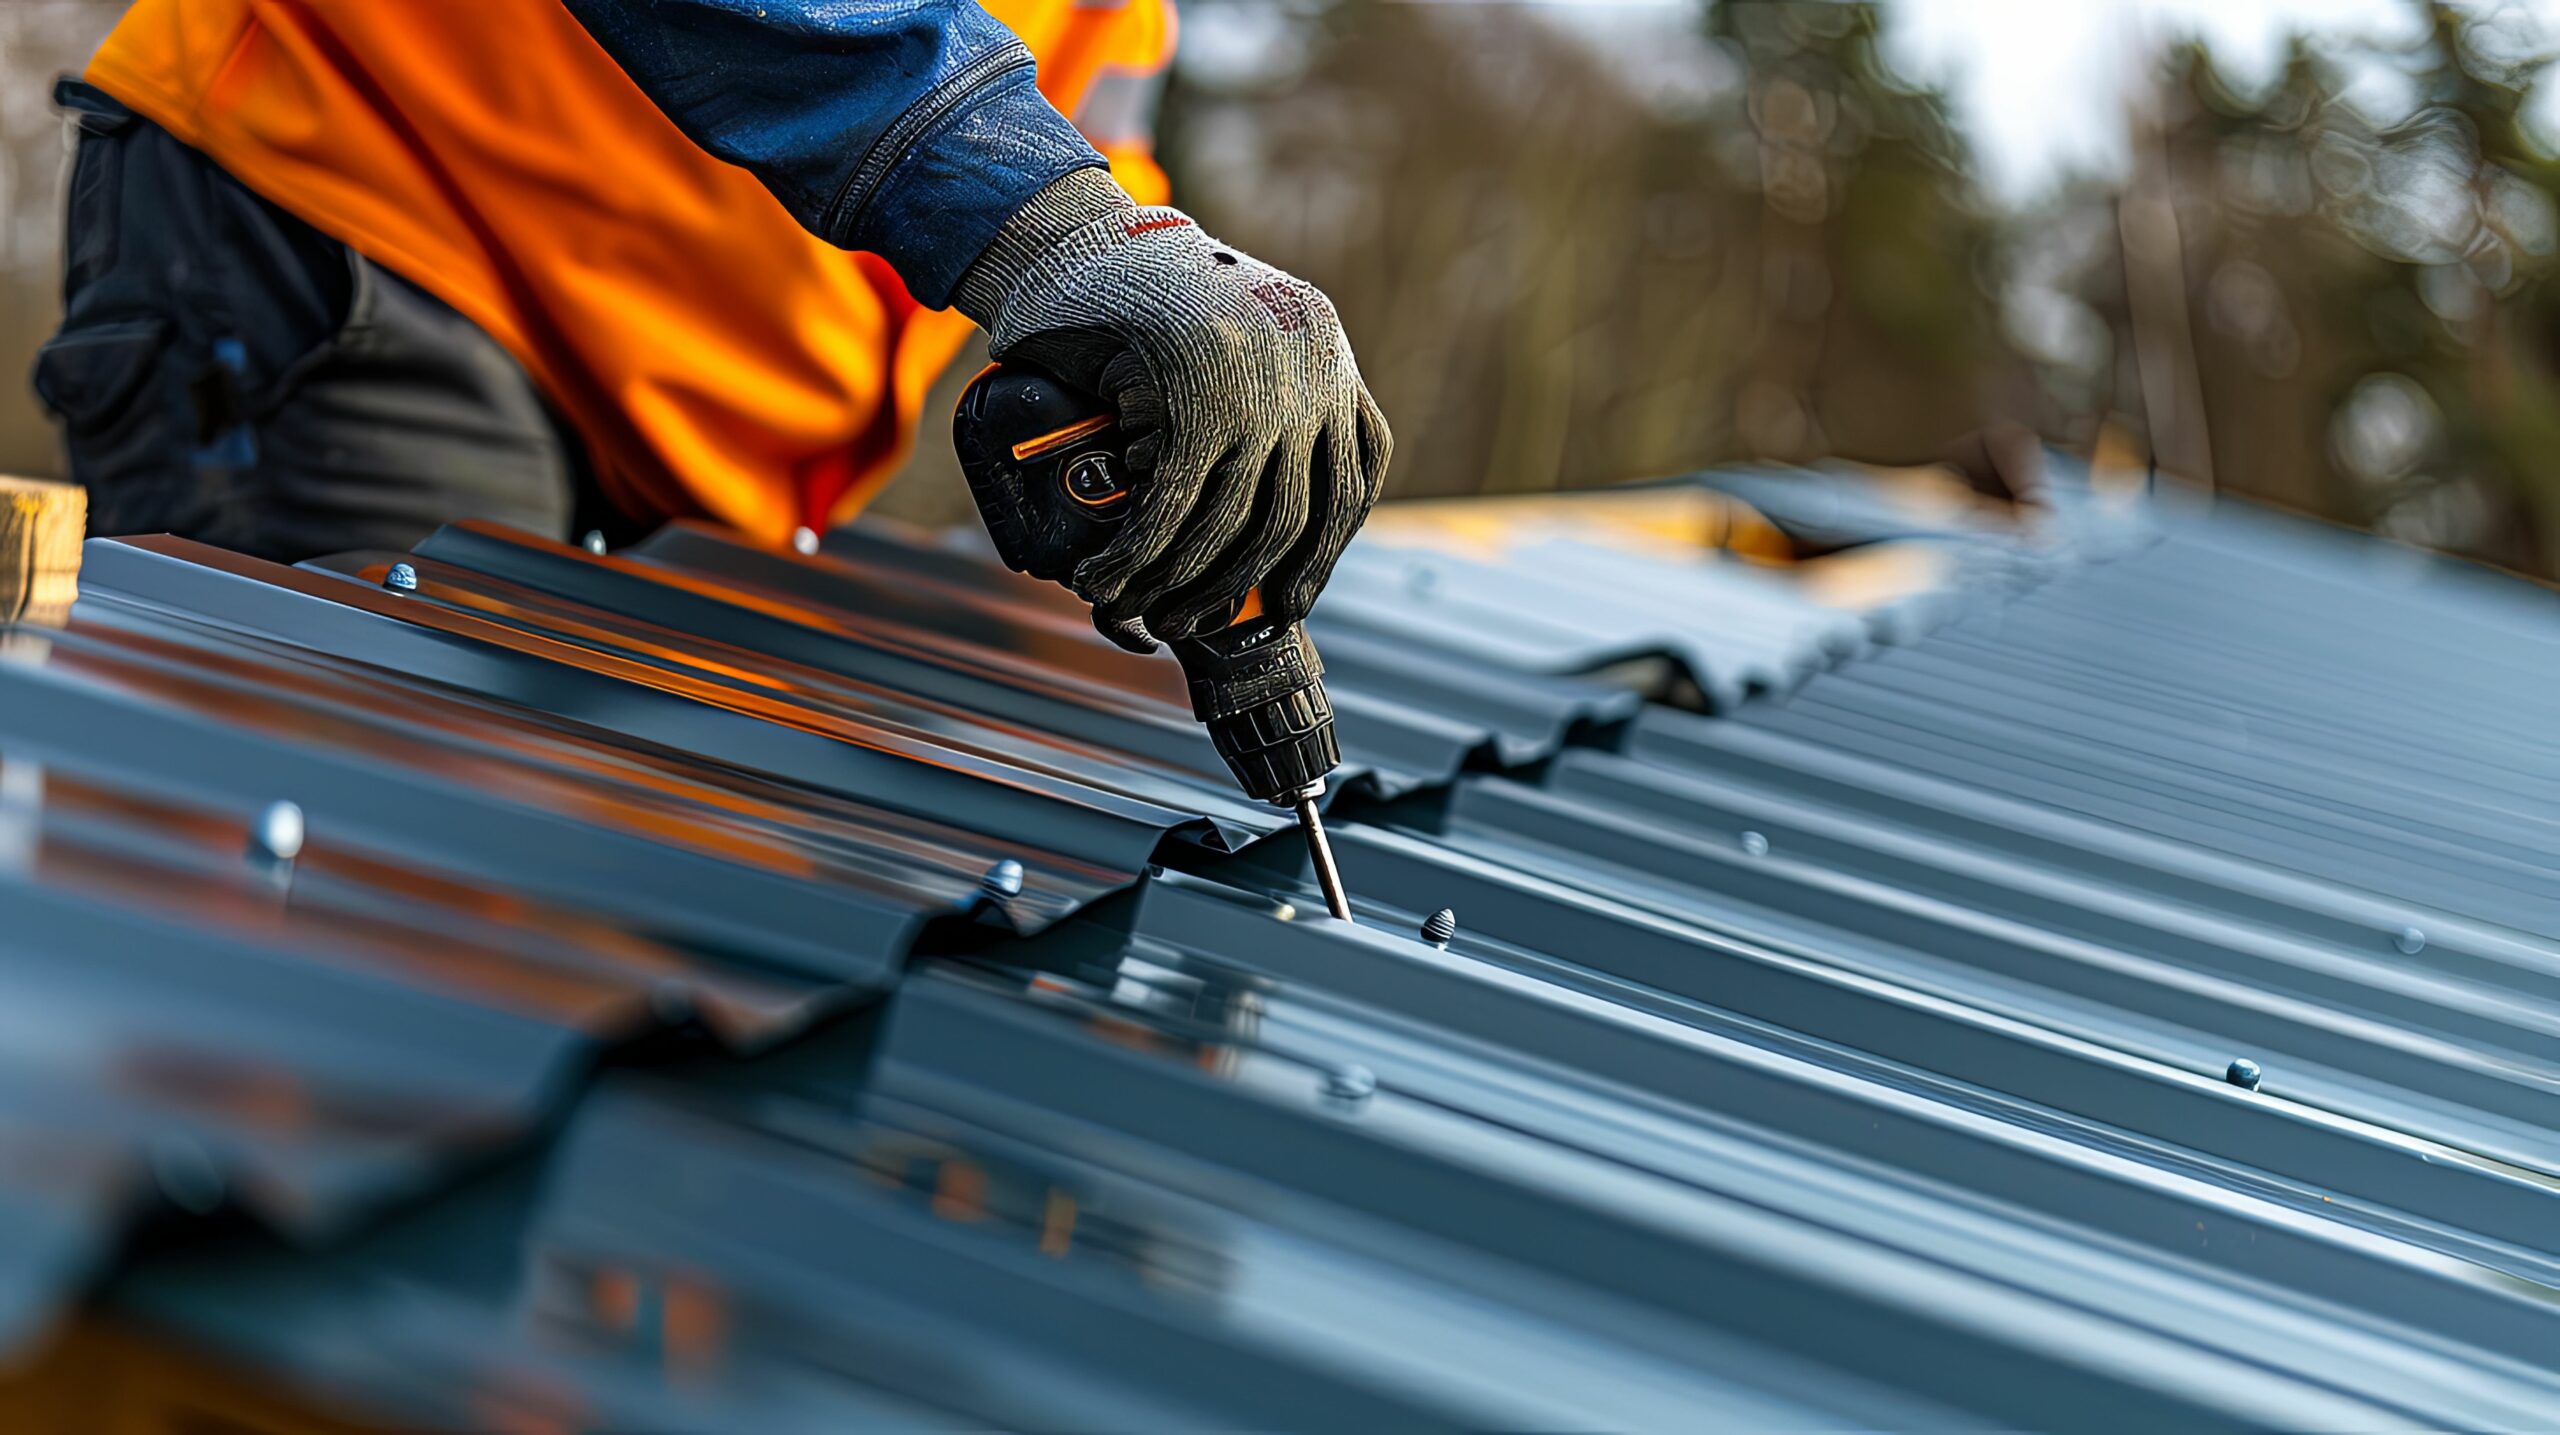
x=1049 y=468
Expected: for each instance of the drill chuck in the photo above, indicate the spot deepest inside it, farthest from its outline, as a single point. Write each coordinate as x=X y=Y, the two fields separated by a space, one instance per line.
x=1259 y=688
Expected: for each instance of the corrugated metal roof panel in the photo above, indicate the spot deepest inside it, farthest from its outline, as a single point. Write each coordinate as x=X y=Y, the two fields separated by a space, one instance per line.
x=1417 y=714
x=1857 y=1059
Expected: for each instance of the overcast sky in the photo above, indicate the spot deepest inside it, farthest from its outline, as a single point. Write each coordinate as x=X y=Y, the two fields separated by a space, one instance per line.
x=2040 y=82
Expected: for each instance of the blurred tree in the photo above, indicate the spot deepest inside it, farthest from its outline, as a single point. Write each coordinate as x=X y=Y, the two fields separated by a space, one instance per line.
x=1875 y=333
x=1578 y=247
x=1574 y=248
x=1513 y=244
x=2364 y=306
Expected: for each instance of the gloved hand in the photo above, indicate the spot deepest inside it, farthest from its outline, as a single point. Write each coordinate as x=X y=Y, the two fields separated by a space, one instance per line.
x=1255 y=451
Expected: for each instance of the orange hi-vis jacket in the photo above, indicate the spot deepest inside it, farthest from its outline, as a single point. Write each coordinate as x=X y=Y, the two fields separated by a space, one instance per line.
x=717 y=358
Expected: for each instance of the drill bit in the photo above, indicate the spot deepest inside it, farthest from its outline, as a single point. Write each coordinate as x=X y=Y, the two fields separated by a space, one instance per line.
x=1320 y=851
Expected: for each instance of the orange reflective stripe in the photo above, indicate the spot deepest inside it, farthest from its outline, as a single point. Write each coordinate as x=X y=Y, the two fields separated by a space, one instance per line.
x=1056 y=439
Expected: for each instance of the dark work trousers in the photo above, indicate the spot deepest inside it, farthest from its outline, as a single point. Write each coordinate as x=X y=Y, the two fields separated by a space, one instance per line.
x=228 y=373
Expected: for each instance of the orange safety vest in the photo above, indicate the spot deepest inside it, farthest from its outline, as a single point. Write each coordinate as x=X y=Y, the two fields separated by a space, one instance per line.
x=717 y=358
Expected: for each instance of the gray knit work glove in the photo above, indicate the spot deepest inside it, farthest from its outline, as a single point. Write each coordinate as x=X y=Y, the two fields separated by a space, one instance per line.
x=1255 y=451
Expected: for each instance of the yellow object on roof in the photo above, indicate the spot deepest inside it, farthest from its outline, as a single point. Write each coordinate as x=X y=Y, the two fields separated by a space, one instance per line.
x=40 y=530
x=1675 y=522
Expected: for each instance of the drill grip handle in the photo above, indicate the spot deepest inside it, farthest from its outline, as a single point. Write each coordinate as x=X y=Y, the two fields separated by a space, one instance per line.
x=1048 y=467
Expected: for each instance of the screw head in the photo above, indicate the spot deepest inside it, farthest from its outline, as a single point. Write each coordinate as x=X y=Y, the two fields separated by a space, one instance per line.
x=2244 y=1074
x=401 y=579
x=1003 y=879
x=1754 y=845
x=277 y=833
x=1440 y=926
x=804 y=540
x=2410 y=941
x=1350 y=1085
x=594 y=541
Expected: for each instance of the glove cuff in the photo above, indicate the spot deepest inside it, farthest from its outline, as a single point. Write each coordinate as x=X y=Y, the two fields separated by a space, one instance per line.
x=1068 y=203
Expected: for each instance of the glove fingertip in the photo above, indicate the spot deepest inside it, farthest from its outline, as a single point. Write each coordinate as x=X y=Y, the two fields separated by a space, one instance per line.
x=1202 y=615
x=1129 y=633
x=1125 y=380
x=1146 y=450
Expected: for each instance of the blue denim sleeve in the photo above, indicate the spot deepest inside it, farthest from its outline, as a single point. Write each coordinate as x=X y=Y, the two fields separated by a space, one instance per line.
x=910 y=128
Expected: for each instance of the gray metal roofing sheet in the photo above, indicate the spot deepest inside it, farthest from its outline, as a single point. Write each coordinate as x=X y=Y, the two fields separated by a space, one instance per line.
x=1855 y=1059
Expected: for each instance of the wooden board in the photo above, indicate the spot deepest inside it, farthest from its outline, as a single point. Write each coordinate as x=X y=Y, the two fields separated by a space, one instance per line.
x=40 y=531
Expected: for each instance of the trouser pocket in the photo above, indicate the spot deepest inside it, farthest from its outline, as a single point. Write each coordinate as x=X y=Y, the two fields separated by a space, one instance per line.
x=120 y=397
x=117 y=377
x=90 y=379
x=190 y=306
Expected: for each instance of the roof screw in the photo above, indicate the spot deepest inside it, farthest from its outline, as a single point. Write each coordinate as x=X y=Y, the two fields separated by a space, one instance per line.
x=804 y=540
x=593 y=542
x=1422 y=580
x=1754 y=845
x=401 y=579
x=1439 y=927
x=276 y=837
x=1002 y=880
x=2410 y=941
x=1350 y=1085
x=2243 y=1073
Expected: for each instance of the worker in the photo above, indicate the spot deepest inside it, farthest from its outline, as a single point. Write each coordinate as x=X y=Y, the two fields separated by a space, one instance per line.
x=338 y=271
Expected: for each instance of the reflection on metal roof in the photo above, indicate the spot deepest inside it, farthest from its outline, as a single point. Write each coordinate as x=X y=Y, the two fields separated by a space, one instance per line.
x=2110 y=985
